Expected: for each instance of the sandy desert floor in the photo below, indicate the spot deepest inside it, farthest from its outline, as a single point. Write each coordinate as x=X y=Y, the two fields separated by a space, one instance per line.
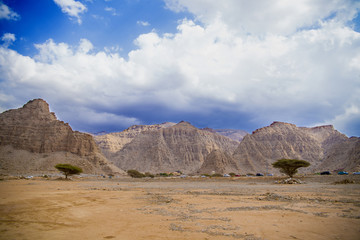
x=124 y=208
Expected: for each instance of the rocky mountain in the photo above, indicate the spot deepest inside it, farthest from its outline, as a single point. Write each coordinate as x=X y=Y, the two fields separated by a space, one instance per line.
x=114 y=142
x=322 y=146
x=33 y=140
x=180 y=147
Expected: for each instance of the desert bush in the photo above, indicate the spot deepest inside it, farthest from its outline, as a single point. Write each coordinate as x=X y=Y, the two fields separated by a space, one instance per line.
x=163 y=174
x=68 y=169
x=232 y=174
x=147 y=174
x=135 y=174
x=345 y=181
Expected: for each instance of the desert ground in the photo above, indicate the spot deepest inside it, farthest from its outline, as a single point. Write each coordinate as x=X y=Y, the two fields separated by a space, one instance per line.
x=190 y=208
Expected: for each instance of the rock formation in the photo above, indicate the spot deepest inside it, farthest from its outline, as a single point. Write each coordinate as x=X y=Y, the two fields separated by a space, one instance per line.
x=114 y=142
x=343 y=156
x=317 y=145
x=219 y=162
x=180 y=147
x=44 y=141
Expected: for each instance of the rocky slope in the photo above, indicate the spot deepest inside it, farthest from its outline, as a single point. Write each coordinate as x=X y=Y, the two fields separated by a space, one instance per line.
x=114 y=142
x=318 y=145
x=31 y=138
x=343 y=156
x=219 y=162
x=180 y=147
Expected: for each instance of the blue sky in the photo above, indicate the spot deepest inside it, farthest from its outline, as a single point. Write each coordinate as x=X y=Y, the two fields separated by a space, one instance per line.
x=104 y=65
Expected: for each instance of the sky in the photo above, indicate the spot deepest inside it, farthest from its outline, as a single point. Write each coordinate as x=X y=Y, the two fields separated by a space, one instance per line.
x=104 y=65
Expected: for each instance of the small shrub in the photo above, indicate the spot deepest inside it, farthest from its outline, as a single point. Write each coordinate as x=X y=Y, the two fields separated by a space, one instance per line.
x=232 y=174
x=147 y=174
x=135 y=174
x=345 y=181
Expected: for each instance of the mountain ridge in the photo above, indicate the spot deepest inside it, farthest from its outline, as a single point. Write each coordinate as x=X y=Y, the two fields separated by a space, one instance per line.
x=33 y=139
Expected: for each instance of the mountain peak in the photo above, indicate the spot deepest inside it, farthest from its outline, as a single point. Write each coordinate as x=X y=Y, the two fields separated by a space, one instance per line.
x=184 y=124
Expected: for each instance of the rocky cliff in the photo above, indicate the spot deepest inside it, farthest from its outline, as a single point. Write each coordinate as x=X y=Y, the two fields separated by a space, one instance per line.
x=180 y=147
x=257 y=151
x=35 y=131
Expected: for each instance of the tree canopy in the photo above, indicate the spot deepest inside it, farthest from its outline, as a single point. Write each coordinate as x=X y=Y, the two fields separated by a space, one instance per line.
x=290 y=166
x=68 y=169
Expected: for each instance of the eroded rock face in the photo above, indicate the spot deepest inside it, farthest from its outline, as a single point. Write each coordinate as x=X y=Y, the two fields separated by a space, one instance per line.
x=35 y=129
x=180 y=147
x=219 y=162
x=342 y=156
x=114 y=142
x=264 y=146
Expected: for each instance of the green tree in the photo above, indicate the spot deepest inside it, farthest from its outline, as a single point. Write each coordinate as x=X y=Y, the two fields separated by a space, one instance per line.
x=290 y=166
x=68 y=169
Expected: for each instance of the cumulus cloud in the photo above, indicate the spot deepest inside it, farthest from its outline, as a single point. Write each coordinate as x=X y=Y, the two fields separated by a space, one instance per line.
x=72 y=8
x=302 y=76
x=8 y=39
x=143 y=23
x=267 y=16
x=7 y=13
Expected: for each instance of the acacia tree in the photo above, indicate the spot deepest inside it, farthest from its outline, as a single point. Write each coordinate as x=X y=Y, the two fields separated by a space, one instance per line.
x=290 y=166
x=68 y=169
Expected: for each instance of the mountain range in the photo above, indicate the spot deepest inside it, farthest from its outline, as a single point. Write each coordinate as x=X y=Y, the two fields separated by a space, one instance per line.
x=33 y=140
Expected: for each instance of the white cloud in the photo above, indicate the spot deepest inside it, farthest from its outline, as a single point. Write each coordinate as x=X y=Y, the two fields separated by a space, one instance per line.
x=111 y=10
x=267 y=16
x=72 y=8
x=143 y=23
x=7 y=13
x=8 y=39
x=305 y=77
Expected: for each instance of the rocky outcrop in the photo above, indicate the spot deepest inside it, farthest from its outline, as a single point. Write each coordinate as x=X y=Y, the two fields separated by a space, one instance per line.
x=35 y=130
x=180 y=147
x=257 y=151
x=219 y=162
x=114 y=142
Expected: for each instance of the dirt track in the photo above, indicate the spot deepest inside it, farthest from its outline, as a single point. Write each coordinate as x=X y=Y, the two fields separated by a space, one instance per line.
x=244 y=208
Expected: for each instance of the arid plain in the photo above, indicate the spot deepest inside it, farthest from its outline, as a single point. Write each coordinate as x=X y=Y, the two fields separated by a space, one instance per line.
x=190 y=208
